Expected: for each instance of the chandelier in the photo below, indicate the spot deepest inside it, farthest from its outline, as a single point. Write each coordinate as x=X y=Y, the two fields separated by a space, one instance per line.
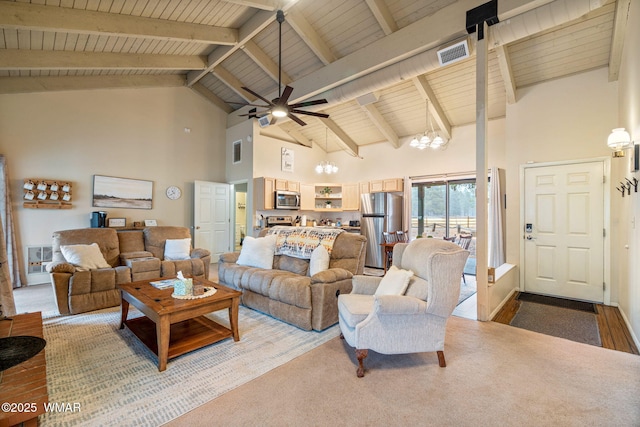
x=430 y=138
x=326 y=166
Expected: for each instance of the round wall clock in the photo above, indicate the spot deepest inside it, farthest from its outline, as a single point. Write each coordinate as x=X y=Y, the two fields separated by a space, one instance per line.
x=174 y=192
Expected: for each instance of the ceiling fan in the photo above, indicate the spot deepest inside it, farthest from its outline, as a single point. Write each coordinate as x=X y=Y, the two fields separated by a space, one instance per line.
x=278 y=107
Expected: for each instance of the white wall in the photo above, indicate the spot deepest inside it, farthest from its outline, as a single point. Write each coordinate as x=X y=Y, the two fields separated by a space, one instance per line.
x=130 y=133
x=629 y=231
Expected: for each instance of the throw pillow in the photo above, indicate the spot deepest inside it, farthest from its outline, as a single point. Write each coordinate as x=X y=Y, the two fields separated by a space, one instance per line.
x=319 y=260
x=258 y=252
x=84 y=257
x=177 y=249
x=395 y=282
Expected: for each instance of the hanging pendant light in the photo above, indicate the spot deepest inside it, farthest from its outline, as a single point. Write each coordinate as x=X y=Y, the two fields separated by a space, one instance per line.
x=430 y=138
x=326 y=166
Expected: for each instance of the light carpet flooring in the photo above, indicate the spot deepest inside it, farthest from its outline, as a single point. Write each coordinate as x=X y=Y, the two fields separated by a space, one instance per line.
x=496 y=375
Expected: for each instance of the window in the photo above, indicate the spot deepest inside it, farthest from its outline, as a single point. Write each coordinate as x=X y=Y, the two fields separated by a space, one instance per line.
x=237 y=151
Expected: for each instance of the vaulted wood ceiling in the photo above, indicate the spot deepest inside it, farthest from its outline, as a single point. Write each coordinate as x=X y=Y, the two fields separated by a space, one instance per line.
x=339 y=49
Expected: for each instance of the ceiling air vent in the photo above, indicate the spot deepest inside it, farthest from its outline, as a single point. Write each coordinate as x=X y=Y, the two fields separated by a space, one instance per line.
x=453 y=53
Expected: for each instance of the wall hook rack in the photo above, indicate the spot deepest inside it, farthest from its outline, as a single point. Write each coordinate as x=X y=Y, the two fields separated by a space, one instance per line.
x=622 y=190
x=634 y=183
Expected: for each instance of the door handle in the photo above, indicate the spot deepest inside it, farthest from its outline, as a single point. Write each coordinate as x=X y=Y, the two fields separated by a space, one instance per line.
x=529 y=237
x=198 y=227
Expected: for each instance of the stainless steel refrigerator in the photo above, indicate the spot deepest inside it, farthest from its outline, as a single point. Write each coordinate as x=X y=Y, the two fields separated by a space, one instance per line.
x=380 y=212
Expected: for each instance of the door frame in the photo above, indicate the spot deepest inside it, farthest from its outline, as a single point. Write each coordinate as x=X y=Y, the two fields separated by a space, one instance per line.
x=606 y=161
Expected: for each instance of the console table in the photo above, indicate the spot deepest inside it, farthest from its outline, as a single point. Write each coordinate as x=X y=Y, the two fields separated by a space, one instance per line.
x=25 y=383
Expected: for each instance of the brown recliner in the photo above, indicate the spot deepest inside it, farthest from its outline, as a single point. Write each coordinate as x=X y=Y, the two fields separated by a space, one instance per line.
x=79 y=291
x=154 y=241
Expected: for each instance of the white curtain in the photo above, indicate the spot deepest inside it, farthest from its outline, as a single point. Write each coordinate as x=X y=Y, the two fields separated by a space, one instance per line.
x=496 y=238
x=406 y=215
x=8 y=255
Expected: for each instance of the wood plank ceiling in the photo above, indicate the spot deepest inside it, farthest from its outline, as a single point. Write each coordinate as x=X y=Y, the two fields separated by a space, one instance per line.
x=328 y=47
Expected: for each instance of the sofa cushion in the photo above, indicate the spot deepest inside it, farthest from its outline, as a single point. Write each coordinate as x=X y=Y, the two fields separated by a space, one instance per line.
x=394 y=282
x=291 y=264
x=177 y=249
x=258 y=252
x=319 y=260
x=84 y=257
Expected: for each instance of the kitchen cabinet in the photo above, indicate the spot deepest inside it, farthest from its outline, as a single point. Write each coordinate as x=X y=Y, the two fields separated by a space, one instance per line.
x=386 y=185
x=286 y=185
x=351 y=197
x=307 y=197
x=365 y=187
x=263 y=193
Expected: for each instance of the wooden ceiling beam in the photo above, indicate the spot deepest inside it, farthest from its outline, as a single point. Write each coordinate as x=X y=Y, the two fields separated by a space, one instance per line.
x=51 y=84
x=504 y=62
x=18 y=59
x=382 y=125
x=437 y=113
x=309 y=35
x=262 y=59
x=383 y=16
x=270 y=5
x=233 y=82
x=617 y=38
x=27 y=16
x=258 y=22
x=203 y=91
x=298 y=136
x=345 y=142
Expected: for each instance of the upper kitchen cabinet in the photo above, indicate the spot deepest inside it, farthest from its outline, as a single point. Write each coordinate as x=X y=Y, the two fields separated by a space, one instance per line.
x=351 y=197
x=386 y=185
x=286 y=185
x=307 y=197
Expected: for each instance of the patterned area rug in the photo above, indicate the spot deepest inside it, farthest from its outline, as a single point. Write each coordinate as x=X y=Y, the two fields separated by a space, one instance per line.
x=115 y=379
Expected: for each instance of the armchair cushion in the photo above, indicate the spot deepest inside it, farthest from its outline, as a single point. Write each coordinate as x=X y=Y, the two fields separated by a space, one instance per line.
x=354 y=308
x=84 y=257
x=394 y=282
x=177 y=249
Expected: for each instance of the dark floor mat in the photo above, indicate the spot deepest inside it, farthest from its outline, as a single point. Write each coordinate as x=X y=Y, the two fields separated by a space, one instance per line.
x=558 y=302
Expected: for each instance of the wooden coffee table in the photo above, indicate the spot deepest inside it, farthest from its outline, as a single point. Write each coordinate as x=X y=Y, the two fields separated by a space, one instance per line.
x=171 y=327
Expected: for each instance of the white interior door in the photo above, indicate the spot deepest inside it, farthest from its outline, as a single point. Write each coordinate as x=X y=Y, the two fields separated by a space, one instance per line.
x=564 y=230
x=212 y=217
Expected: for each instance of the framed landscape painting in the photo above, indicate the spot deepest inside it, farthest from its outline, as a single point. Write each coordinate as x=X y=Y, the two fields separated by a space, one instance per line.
x=112 y=192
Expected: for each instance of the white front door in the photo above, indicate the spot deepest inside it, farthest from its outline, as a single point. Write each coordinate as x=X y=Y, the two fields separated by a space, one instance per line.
x=564 y=230
x=212 y=217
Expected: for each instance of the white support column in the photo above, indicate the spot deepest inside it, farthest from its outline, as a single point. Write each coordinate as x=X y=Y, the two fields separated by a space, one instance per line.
x=482 y=236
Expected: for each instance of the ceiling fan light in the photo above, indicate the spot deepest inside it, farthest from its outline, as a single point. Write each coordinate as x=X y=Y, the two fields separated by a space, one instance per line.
x=279 y=111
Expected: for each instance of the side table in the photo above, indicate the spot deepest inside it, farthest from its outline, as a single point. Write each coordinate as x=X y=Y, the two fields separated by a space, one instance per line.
x=25 y=383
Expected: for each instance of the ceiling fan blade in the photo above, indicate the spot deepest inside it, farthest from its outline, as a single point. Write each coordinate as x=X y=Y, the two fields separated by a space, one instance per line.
x=245 y=103
x=310 y=113
x=308 y=103
x=258 y=96
x=260 y=114
x=285 y=95
x=297 y=120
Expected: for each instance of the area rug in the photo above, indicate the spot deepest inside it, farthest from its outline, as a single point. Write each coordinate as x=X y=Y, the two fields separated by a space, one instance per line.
x=115 y=380
x=574 y=325
x=466 y=291
x=589 y=307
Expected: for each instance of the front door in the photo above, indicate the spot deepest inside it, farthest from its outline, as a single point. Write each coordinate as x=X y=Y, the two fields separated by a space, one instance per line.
x=212 y=216
x=564 y=230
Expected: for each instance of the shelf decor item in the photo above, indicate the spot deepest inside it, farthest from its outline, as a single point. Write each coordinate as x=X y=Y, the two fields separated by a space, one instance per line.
x=45 y=194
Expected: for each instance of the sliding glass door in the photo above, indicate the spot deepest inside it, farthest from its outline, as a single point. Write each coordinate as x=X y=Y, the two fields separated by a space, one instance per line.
x=443 y=208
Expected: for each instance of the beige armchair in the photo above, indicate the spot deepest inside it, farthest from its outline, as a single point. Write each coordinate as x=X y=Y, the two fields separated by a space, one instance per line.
x=414 y=321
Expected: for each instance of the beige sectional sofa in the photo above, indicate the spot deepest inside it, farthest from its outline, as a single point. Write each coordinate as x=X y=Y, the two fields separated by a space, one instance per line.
x=129 y=255
x=288 y=293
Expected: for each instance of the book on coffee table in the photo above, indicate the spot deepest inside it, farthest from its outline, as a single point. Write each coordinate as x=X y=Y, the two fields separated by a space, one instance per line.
x=163 y=284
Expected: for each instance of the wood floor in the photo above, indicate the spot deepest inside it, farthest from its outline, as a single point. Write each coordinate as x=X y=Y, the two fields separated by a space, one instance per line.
x=613 y=331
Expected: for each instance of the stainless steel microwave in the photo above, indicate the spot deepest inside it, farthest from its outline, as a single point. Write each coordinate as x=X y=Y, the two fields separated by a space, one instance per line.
x=287 y=200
